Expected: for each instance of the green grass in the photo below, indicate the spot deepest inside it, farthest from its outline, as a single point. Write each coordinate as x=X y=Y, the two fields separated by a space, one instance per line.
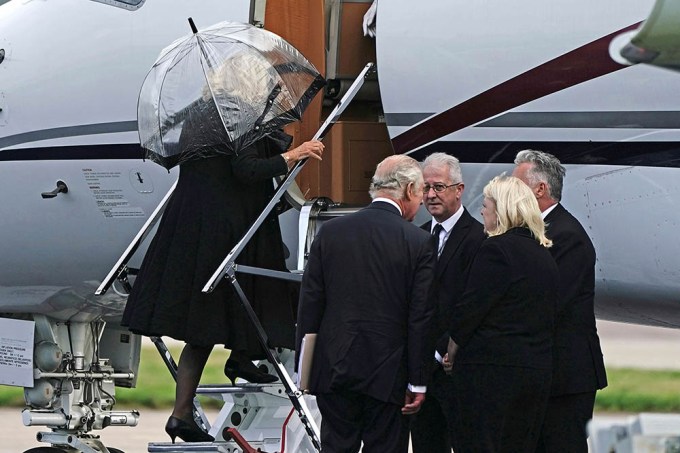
x=156 y=387
x=629 y=390
x=635 y=390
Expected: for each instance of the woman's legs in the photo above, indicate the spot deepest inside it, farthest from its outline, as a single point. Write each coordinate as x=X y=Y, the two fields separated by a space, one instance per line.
x=191 y=364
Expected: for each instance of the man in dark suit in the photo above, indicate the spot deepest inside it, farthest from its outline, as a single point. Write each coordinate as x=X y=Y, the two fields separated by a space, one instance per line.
x=578 y=370
x=365 y=292
x=459 y=237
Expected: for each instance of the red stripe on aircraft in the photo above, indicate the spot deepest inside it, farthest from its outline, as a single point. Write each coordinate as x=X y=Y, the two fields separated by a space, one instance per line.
x=587 y=62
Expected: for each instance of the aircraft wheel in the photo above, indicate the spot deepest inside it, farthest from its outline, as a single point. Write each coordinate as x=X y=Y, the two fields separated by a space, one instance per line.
x=59 y=450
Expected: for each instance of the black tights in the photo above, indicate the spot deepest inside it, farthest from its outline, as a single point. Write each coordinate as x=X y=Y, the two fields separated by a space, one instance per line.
x=189 y=369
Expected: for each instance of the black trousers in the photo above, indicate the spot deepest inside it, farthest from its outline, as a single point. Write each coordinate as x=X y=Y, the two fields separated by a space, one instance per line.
x=432 y=427
x=499 y=409
x=564 y=427
x=348 y=419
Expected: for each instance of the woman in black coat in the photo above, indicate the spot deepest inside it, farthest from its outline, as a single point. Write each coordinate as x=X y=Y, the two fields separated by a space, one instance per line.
x=215 y=202
x=502 y=329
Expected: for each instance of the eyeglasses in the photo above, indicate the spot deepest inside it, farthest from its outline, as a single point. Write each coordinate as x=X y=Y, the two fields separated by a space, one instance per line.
x=438 y=188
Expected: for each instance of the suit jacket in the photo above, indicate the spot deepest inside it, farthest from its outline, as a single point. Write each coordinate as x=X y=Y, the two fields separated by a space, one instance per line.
x=453 y=267
x=365 y=292
x=507 y=312
x=579 y=366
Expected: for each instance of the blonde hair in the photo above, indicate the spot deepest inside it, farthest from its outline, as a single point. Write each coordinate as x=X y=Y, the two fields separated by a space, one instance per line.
x=249 y=78
x=516 y=206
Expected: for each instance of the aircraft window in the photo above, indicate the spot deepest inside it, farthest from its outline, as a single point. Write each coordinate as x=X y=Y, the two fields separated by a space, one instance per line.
x=126 y=4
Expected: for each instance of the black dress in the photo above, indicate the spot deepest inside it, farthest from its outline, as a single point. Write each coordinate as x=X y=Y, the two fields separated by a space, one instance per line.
x=215 y=202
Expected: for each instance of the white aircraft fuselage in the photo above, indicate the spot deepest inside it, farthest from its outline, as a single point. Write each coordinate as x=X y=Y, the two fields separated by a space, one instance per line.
x=482 y=82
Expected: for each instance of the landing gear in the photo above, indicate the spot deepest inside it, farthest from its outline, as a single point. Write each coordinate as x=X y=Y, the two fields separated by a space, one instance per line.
x=59 y=450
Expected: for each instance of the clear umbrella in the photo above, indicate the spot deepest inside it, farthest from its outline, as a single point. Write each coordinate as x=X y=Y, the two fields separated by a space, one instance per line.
x=229 y=84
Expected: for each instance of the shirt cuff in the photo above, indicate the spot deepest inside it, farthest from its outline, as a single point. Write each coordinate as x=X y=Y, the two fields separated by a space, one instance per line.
x=417 y=388
x=438 y=357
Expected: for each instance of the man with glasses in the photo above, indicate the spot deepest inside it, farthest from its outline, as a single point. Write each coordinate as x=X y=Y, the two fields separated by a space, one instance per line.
x=459 y=237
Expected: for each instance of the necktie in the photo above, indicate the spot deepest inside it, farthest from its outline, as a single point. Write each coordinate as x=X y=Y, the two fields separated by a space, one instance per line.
x=435 y=232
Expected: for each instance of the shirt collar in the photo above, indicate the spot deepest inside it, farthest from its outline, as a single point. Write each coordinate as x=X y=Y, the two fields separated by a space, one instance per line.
x=545 y=213
x=449 y=223
x=387 y=200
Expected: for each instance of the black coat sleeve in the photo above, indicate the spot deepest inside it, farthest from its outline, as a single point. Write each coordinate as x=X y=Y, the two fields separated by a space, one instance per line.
x=421 y=314
x=251 y=164
x=312 y=296
x=575 y=257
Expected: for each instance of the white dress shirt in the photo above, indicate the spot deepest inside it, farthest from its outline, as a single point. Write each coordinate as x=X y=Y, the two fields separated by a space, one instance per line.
x=447 y=226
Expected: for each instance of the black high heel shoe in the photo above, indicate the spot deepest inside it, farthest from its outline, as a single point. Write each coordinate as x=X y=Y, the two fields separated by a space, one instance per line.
x=188 y=432
x=247 y=370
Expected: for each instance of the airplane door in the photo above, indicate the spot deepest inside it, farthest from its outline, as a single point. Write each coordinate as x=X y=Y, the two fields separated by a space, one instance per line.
x=71 y=239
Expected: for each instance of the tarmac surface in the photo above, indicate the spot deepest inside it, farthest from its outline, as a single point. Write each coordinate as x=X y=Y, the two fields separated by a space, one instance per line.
x=623 y=345
x=635 y=346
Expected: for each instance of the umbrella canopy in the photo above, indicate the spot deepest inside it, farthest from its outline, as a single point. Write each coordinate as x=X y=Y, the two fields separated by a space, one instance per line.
x=219 y=90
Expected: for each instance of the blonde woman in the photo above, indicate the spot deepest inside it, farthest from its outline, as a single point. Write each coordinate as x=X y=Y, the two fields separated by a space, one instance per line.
x=502 y=328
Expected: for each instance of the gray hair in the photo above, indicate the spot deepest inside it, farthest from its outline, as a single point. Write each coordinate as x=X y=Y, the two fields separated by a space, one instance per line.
x=545 y=168
x=445 y=160
x=394 y=174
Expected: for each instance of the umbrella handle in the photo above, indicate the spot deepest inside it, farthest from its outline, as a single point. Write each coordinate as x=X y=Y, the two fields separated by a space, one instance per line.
x=270 y=102
x=193 y=26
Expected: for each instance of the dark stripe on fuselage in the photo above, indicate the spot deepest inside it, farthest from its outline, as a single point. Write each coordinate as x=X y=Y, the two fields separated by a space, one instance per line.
x=587 y=62
x=75 y=152
x=405 y=119
x=566 y=120
x=68 y=131
x=646 y=154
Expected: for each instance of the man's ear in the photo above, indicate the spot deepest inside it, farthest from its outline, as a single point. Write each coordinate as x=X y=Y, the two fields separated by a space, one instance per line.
x=541 y=189
x=410 y=191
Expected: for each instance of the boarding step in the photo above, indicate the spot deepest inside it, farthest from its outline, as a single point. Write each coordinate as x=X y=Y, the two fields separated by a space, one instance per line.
x=196 y=447
x=237 y=392
x=211 y=389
